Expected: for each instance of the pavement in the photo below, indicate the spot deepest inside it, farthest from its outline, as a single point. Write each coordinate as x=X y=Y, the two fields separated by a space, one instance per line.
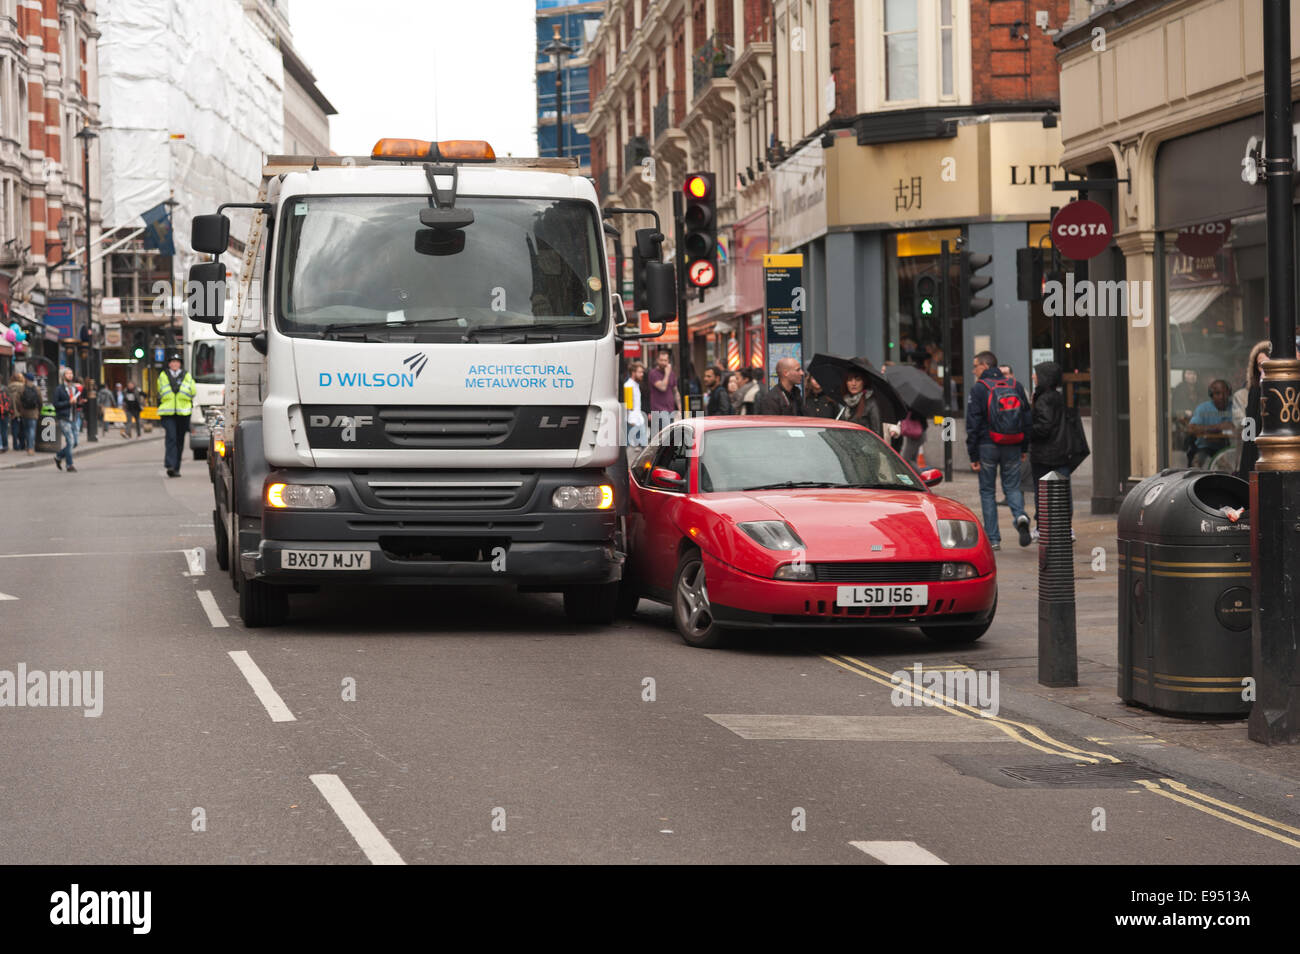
x=112 y=440
x=435 y=725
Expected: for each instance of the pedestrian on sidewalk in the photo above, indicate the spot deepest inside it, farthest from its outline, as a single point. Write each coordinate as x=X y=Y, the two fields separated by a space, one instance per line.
x=785 y=398
x=749 y=390
x=8 y=411
x=1249 y=450
x=131 y=404
x=859 y=402
x=997 y=427
x=176 y=391
x=818 y=403
x=65 y=400
x=14 y=388
x=29 y=408
x=1049 y=438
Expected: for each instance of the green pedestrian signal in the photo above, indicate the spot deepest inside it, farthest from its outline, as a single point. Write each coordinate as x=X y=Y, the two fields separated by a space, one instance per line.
x=925 y=297
x=139 y=353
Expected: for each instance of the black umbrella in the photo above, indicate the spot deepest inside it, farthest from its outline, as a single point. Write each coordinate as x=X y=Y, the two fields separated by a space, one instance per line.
x=830 y=372
x=920 y=392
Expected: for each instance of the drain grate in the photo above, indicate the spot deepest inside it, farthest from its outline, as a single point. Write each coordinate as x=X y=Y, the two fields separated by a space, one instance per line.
x=1079 y=773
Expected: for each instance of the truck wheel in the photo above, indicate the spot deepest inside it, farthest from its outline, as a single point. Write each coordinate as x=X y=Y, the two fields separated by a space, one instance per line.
x=628 y=600
x=592 y=603
x=261 y=604
x=223 y=543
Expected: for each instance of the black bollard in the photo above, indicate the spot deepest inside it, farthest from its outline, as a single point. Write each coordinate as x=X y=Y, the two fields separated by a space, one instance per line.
x=1058 y=658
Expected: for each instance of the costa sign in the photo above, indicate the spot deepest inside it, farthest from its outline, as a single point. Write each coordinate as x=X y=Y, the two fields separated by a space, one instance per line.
x=1082 y=229
x=1202 y=241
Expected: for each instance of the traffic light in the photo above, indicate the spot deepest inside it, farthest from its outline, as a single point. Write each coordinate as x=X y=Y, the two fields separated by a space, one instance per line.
x=1029 y=274
x=925 y=300
x=138 y=343
x=700 y=240
x=969 y=265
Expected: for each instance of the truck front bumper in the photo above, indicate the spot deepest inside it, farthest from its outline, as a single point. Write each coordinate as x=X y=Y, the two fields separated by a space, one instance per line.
x=523 y=540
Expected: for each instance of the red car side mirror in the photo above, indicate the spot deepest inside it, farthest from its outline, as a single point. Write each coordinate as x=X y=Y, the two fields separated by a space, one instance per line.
x=932 y=476
x=667 y=479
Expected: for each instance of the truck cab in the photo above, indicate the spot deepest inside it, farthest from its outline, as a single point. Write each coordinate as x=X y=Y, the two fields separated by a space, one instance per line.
x=424 y=387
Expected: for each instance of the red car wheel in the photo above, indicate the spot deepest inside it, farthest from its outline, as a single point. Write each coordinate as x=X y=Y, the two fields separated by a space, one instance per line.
x=691 y=609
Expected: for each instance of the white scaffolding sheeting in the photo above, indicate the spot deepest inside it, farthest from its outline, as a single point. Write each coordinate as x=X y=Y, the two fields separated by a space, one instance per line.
x=204 y=71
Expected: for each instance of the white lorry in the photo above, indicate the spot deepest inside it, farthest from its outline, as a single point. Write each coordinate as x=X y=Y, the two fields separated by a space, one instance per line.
x=205 y=359
x=424 y=388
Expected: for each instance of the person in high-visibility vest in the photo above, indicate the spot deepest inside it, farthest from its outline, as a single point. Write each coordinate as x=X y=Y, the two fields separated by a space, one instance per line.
x=176 y=391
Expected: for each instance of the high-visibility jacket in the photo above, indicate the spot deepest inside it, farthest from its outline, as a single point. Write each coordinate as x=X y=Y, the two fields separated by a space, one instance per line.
x=178 y=402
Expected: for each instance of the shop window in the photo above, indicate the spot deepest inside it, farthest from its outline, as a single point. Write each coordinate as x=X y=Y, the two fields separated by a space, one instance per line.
x=1216 y=302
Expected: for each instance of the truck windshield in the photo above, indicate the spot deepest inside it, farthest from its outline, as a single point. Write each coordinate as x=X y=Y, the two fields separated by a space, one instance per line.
x=365 y=265
x=208 y=363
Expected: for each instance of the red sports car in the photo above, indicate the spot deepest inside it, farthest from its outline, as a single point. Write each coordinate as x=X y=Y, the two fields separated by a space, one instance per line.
x=740 y=522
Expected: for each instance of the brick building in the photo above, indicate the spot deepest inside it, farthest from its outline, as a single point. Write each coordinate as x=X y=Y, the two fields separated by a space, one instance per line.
x=679 y=86
x=902 y=123
x=48 y=94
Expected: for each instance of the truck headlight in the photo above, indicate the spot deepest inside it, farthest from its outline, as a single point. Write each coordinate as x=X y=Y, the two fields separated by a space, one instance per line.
x=591 y=497
x=957 y=571
x=300 y=496
x=958 y=534
x=773 y=534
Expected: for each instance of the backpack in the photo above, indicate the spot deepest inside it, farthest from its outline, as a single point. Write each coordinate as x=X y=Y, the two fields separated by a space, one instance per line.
x=1076 y=441
x=6 y=405
x=31 y=398
x=1006 y=411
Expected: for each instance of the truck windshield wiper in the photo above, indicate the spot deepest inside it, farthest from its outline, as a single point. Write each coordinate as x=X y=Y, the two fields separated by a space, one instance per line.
x=380 y=325
x=529 y=329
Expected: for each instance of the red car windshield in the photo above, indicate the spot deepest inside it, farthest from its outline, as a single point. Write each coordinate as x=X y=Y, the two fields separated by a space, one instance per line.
x=762 y=458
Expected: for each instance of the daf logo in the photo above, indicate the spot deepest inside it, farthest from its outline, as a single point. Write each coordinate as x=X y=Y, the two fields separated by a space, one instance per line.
x=565 y=421
x=349 y=424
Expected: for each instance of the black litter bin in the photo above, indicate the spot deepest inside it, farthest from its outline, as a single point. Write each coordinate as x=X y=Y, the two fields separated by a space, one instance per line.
x=1185 y=593
x=47 y=431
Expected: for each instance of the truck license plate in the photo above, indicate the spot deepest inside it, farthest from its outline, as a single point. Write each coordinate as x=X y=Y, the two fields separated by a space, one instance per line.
x=882 y=595
x=324 y=559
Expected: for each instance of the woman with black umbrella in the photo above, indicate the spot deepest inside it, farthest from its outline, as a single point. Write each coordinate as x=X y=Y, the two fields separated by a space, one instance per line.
x=859 y=402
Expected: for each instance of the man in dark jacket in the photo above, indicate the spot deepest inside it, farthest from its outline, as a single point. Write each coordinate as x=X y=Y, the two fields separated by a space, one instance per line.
x=719 y=398
x=65 y=397
x=784 y=399
x=1049 y=439
x=994 y=447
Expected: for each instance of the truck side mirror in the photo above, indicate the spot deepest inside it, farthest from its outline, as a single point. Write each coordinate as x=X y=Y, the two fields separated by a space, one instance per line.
x=206 y=291
x=661 y=291
x=210 y=234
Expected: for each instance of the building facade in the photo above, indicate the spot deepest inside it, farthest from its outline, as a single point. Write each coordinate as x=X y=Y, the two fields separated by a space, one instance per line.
x=48 y=95
x=682 y=86
x=574 y=23
x=1168 y=98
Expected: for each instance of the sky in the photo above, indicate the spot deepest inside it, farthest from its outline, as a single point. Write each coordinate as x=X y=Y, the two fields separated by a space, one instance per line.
x=423 y=69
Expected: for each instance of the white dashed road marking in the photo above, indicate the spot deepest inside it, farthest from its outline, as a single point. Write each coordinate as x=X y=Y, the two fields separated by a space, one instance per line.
x=262 y=687
x=356 y=821
x=210 y=607
x=898 y=852
x=6 y=596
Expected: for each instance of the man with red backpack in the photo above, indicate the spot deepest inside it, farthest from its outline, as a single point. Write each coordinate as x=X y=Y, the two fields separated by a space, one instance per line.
x=998 y=422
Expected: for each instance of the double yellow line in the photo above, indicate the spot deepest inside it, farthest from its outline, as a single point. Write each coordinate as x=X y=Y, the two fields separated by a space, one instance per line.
x=1035 y=738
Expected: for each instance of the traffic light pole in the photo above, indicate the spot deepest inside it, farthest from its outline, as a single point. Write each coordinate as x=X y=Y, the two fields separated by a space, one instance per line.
x=945 y=322
x=679 y=252
x=1275 y=483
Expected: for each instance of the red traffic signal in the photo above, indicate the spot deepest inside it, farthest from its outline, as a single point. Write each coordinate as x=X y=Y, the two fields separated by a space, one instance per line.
x=698 y=187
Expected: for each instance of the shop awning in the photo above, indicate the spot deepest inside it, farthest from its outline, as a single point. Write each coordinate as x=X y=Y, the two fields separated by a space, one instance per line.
x=1187 y=304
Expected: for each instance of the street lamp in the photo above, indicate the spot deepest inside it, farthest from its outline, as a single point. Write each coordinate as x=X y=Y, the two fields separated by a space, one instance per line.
x=1275 y=482
x=85 y=136
x=558 y=48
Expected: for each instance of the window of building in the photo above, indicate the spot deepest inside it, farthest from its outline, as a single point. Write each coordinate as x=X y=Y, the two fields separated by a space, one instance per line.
x=900 y=40
x=946 y=82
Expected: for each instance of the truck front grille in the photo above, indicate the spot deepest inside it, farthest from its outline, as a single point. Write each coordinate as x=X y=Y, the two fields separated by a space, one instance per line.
x=458 y=427
x=444 y=494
